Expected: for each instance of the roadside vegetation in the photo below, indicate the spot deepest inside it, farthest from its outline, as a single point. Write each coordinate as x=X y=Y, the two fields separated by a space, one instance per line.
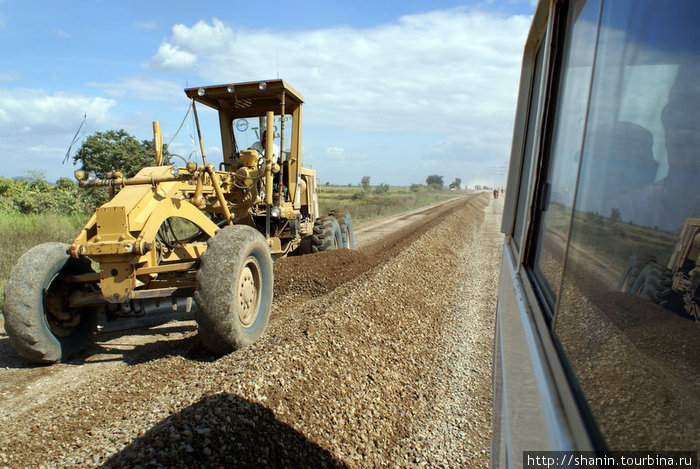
x=366 y=203
x=594 y=232
x=33 y=211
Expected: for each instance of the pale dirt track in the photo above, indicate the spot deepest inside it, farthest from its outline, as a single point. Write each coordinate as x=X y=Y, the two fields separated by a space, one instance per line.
x=379 y=357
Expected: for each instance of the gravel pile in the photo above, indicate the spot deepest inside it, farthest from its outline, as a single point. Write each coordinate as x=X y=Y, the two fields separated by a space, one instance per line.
x=387 y=363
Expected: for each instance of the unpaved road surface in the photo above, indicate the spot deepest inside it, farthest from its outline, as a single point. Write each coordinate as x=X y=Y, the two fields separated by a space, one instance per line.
x=379 y=357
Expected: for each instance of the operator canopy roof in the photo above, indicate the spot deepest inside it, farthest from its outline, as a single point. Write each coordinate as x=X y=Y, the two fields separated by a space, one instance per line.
x=248 y=99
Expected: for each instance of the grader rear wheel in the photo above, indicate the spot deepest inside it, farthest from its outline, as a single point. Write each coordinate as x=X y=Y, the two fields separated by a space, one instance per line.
x=41 y=326
x=634 y=266
x=653 y=283
x=234 y=289
x=345 y=225
x=326 y=235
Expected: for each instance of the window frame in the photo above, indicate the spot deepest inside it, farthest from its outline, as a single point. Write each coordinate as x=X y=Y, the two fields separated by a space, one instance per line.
x=536 y=313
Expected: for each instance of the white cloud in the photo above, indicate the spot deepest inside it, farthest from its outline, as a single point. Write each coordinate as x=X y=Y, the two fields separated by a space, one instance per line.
x=171 y=58
x=465 y=159
x=143 y=88
x=62 y=33
x=29 y=108
x=425 y=71
x=451 y=73
x=204 y=37
x=37 y=127
x=335 y=152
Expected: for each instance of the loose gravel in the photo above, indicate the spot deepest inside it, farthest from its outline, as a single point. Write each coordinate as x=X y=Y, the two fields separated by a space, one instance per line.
x=373 y=358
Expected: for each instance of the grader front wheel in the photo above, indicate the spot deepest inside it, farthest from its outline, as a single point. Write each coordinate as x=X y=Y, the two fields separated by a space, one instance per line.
x=40 y=324
x=249 y=292
x=234 y=289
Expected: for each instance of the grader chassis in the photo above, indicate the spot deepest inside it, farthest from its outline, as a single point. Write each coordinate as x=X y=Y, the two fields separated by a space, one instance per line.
x=174 y=232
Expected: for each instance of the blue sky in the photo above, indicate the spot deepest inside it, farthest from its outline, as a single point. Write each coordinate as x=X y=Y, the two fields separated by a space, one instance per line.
x=396 y=90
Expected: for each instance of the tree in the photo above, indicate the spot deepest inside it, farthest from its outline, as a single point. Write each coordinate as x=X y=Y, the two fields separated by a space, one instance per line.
x=33 y=175
x=116 y=150
x=434 y=181
x=364 y=182
x=381 y=188
x=614 y=216
x=456 y=184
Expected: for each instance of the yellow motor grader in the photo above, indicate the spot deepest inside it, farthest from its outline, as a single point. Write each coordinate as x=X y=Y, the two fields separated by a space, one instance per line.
x=173 y=232
x=676 y=286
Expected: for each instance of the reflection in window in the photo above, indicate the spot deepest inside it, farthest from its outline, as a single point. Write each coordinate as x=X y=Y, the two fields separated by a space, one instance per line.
x=567 y=136
x=630 y=289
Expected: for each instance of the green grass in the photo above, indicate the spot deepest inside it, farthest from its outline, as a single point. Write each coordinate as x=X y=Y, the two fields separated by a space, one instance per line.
x=20 y=232
x=617 y=241
x=365 y=205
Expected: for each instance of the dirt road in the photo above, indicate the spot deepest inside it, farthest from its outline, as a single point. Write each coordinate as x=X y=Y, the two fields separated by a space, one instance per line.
x=374 y=357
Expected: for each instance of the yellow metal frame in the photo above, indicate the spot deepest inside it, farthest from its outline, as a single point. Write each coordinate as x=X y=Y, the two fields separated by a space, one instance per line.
x=122 y=236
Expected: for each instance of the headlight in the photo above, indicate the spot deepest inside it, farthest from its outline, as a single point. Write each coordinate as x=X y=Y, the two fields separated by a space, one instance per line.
x=275 y=212
x=262 y=85
x=201 y=92
x=231 y=88
x=174 y=170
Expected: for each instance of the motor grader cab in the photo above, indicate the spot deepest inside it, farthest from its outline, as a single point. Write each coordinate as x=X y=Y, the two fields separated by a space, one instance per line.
x=174 y=232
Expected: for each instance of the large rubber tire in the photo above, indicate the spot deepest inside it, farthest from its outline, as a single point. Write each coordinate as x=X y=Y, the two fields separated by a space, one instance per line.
x=38 y=321
x=634 y=266
x=345 y=224
x=326 y=235
x=654 y=284
x=234 y=289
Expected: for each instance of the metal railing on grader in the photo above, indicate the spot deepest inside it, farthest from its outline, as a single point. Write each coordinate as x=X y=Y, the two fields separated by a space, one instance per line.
x=174 y=232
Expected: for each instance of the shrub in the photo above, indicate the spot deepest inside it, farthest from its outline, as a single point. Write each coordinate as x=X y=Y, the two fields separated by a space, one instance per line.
x=381 y=188
x=39 y=197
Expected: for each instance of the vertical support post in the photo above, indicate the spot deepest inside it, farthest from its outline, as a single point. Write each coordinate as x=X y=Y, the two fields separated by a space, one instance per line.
x=269 y=135
x=219 y=193
x=281 y=162
x=199 y=133
x=158 y=142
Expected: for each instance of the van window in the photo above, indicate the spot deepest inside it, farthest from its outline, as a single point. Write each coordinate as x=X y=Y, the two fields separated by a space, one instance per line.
x=564 y=150
x=529 y=147
x=627 y=318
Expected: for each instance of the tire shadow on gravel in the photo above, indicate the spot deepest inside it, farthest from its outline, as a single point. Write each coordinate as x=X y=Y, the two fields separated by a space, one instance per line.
x=11 y=359
x=223 y=430
x=125 y=346
x=142 y=345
